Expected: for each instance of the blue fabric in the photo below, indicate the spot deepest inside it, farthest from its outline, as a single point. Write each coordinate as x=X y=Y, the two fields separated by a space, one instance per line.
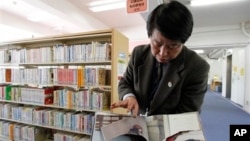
x=217 y=114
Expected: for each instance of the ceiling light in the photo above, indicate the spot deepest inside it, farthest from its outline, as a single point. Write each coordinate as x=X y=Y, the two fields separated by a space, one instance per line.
x=209 y=2
x=199 y=51
x=39 y=16
x=32 y=13
x=98 y=6
x=9 y=33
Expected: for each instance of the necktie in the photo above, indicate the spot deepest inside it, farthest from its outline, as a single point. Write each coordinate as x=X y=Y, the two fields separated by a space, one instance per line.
x=158 y=73
x=156 y=77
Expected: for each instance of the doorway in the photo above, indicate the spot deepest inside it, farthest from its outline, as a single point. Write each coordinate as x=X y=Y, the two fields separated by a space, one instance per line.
x=229 y=76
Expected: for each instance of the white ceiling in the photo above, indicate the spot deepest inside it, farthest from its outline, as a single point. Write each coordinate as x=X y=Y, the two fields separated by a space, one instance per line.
x=67 y=16
x=70 y=16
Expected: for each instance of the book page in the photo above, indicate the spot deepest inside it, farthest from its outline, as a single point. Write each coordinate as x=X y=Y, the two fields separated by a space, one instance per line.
x=127 y=126
x=166 y=126
x=157 y=127
x=184 y=122
x=103 y=119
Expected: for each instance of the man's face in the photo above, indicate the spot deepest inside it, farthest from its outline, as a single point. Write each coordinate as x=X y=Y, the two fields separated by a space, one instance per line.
x=164 y=49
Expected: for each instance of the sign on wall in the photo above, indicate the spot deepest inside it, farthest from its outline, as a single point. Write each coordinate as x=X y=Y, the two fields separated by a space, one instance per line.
x=137 y=6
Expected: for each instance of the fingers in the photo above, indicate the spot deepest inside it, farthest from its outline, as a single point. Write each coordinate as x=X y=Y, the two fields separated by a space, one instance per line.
x=133 y=108
x=135 y=111
x=129 y=103
x=118 y=104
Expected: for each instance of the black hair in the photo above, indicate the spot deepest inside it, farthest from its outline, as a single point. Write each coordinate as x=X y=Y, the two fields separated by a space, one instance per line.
x=173 y=20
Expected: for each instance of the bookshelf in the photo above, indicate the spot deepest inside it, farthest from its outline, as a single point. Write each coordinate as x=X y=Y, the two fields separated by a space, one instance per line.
x=57 y=83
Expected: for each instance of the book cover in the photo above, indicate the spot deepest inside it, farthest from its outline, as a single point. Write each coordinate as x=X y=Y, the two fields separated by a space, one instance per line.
x=80 y=77
x=101 y=76
x=8 y=92
x=108 y=77
x=11 y=130
x=7 y=75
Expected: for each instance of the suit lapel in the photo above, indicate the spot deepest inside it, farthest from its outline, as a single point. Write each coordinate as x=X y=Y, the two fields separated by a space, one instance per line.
x=145 y=71
x=170 y=79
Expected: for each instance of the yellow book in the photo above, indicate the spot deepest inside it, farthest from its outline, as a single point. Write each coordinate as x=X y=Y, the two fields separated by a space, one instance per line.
x=11 y=132
x=105 y=101
x=80 y=75
x=101 y=76
x=69 y=99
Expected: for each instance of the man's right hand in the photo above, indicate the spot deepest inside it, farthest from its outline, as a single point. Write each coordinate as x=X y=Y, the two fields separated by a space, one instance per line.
x=130 y=103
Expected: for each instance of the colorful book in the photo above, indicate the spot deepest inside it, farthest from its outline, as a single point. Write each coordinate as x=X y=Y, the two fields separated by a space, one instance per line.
x=7 y=75
x=8 y=92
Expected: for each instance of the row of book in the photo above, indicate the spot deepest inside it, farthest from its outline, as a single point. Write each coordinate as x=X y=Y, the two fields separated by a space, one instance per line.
x=82 y=76
x=32 y=95
x=6 y=75
x=60 y=119
x=18 y=132
x=5 y=56
x=21 y=132
x=85 y=99
x=27 y=94
x=70 y=137
x=93 y=51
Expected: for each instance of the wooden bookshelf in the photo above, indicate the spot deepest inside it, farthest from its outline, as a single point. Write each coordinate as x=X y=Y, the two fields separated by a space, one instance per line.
x=106 y=49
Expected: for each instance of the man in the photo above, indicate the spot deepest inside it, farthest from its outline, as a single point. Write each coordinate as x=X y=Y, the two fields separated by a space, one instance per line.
x=164 y=77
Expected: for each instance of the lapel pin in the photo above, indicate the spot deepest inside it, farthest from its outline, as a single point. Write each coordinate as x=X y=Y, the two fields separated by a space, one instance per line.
x=169 y=84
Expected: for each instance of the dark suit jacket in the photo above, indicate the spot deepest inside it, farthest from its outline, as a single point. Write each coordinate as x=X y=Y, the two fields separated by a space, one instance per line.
x=183 y=84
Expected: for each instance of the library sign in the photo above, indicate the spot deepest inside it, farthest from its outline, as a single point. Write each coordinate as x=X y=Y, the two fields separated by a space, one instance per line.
x=137 y=6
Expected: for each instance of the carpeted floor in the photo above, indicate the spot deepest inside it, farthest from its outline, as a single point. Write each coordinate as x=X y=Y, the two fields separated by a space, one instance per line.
x=217 y=114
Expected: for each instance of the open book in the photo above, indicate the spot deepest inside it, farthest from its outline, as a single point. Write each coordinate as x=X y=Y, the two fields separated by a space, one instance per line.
x=172 y=127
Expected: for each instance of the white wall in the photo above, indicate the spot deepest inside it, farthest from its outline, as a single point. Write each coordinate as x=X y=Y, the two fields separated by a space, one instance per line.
x=215 y=69
x=247 y=84
x=238 y=76
x=214 y=37
x=228 y=37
